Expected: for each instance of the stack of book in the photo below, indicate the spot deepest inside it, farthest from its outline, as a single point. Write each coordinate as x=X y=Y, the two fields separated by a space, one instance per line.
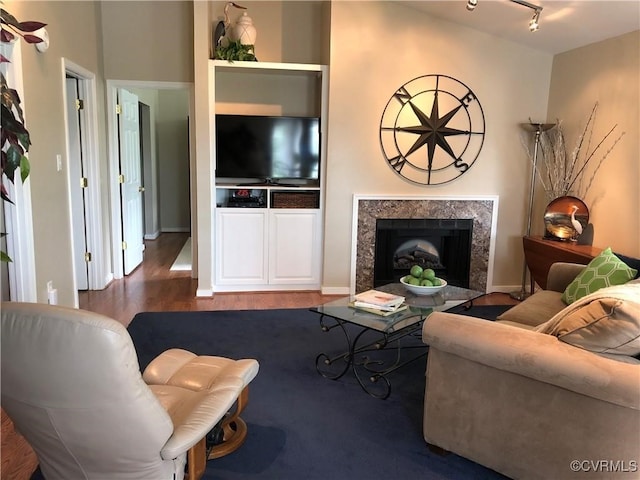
x=380 y=303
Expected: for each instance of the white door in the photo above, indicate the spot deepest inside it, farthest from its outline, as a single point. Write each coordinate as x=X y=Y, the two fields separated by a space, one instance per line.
x=241 y=246
x=77 y=184
x=130 y=181
x=294 y=247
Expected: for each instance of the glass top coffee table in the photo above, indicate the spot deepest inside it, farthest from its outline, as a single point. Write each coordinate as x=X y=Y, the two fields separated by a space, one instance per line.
x=377 y=345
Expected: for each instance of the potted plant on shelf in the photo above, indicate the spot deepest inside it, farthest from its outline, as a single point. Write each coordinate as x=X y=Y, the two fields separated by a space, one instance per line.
x=235 y=42
x=15 y=136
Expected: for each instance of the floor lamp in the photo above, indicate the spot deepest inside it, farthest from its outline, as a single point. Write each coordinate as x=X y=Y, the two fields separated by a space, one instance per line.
x=537 y=128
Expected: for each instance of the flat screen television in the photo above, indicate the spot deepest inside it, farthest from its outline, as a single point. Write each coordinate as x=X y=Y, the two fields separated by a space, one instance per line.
x=267 y=149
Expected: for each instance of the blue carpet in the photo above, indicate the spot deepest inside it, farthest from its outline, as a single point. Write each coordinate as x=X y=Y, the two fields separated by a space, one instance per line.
x=301 y=425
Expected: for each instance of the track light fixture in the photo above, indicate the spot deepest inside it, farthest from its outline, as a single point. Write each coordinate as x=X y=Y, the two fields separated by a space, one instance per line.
x=534 y=23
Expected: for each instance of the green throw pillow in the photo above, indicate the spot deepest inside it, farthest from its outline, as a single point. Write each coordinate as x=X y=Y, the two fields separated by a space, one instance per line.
x=605 y=270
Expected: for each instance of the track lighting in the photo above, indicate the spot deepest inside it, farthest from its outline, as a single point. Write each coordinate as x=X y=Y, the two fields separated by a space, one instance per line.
x=534 y=23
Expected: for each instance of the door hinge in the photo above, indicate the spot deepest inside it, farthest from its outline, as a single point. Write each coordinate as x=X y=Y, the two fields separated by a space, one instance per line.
x=118 y=109
x=84 y=182
x=124 y=245
x=120 y=178
x=87 y=256
x=79 y=104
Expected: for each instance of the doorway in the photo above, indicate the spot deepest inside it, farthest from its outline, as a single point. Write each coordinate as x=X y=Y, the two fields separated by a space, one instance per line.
x=90 y=259
x=78 y=181
x=162 y=160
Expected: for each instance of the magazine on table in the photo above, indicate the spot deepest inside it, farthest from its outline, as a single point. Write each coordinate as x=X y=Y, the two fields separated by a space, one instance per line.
x=378 y=300
x=378 y=311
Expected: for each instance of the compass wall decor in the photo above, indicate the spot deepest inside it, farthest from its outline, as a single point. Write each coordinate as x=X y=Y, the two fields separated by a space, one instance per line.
x=432 y=129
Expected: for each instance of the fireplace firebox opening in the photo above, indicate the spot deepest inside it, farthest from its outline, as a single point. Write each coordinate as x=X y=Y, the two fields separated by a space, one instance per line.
x=441 y=244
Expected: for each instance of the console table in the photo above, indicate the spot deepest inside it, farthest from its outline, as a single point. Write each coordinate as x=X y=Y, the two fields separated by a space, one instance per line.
x=540 y=253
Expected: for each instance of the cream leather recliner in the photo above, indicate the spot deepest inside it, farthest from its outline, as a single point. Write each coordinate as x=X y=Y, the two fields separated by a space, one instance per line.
x=72 y=385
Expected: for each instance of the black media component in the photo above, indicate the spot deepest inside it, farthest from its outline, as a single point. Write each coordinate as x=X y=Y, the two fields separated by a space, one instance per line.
x=267 y=149
x=247 y=198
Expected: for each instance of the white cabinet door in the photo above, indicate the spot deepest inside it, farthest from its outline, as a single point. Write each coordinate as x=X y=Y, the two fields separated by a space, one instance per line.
x=294 y=247
x=241 y=246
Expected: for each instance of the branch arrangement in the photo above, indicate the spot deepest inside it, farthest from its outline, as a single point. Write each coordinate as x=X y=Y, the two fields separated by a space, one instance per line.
x=561 y=173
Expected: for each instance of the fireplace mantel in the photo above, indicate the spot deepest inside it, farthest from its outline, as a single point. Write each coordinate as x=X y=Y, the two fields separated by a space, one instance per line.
x=368 y=208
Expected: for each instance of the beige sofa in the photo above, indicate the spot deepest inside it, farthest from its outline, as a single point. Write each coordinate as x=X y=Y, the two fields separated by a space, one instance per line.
x=528 y=404
x=544 y=304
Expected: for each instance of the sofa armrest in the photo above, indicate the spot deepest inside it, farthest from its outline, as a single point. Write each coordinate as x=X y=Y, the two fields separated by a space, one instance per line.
x=535 y=355
x=561 y=274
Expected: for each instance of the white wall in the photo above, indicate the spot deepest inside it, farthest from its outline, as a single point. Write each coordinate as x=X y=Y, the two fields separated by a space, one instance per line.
x=145 y=40
x=170 y=153
x=374 y=48
x=389 y=45
x=173 y=160
x=607 y=72
x=170 y=41
x=72 y=28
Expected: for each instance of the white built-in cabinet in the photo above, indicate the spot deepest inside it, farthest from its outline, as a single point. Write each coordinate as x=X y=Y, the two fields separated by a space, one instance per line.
x=273 y=242
x=268 y=247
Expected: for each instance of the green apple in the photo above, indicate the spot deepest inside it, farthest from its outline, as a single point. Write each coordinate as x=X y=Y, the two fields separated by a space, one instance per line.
x=425 y=282
x=428 y=273
x=416 y=271
x=413 y=281
x=436 y=282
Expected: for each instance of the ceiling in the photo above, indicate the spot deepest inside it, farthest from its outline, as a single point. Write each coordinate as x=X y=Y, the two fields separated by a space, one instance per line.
x=564 y=25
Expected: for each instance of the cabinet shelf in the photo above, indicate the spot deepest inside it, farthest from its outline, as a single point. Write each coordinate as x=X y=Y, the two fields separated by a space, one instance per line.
x=267 y=67
x=268 y=237
x=239 y=196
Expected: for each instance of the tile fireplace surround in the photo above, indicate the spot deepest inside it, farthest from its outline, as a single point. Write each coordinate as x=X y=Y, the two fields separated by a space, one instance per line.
x=367 y=209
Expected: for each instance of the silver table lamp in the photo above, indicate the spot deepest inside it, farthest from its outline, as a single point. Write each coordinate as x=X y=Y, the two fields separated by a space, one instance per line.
x=537 y=128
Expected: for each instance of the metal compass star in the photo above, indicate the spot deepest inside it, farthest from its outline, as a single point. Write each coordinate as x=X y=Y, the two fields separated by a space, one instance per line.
x=433 y=130
x=452 y=132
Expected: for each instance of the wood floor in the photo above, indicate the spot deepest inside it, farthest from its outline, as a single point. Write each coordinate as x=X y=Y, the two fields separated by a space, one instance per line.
x=153 y=287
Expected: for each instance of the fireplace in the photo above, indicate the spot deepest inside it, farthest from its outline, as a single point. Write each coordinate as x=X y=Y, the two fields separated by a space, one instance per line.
x=443 y=245
x=481 y=211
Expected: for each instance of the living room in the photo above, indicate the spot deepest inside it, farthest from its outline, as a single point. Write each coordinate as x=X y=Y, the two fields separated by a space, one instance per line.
x=372 y=48
x=513 y=83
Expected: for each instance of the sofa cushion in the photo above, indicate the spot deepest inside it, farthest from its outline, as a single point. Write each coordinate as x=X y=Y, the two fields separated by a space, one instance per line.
x=604 y=270
x=607 y=321
x=536 y=309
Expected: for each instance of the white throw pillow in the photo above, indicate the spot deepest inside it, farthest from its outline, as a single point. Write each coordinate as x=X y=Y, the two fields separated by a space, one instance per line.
x=607 y=321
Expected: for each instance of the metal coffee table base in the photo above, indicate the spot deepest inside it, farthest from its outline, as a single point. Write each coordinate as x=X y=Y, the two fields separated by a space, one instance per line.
x=364 y=356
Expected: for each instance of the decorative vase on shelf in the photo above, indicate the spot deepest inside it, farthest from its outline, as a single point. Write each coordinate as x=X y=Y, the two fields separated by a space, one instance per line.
x=565 y=218
x=244 y=31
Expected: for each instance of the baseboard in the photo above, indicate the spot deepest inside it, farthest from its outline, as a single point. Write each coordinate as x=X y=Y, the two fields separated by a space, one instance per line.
x=152 y=236
x=175 y=230
x=108 y=279
x=335 y=290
